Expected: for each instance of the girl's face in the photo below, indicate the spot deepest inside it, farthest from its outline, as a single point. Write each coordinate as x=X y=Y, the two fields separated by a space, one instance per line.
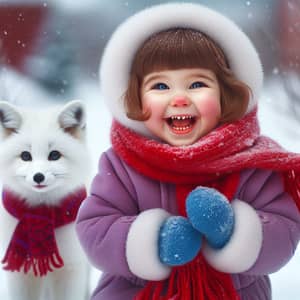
x=184 y=104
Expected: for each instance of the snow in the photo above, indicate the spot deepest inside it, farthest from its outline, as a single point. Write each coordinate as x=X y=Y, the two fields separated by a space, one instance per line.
x=275 y=121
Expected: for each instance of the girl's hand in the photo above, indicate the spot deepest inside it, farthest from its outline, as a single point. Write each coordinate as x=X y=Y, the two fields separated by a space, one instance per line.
x=210 y=213
x=179 y=242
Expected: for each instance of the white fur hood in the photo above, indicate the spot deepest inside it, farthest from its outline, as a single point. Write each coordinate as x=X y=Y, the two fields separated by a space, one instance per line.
x=129 y=36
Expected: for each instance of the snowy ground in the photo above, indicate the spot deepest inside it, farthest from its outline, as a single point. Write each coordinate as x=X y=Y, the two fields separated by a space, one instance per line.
x=280 y=126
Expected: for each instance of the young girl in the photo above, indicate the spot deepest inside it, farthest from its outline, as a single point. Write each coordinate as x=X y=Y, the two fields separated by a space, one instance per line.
x=190 y=202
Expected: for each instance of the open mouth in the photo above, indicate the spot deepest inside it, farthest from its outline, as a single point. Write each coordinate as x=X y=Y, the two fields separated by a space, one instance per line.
x=40 y=186
x=181 y=124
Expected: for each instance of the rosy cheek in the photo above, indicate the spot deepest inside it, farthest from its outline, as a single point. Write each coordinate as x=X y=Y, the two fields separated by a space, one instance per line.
x=151 y=104
x=210 y=107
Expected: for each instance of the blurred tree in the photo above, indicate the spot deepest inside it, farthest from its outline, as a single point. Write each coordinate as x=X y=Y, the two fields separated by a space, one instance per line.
x=54 y=65
x=289 y=50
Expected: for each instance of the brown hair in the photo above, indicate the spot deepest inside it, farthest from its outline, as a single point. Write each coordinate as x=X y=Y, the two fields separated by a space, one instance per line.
x=185 y=48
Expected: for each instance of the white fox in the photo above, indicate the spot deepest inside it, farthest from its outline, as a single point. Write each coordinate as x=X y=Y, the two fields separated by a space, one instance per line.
x=44 y=166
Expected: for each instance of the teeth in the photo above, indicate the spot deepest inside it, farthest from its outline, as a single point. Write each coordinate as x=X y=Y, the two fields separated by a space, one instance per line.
x=181 y=117
x=182 y=128
x=187 y=124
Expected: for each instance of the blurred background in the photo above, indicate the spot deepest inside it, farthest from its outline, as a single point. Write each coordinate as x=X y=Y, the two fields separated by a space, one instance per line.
x=50 y=53
x=56 y=42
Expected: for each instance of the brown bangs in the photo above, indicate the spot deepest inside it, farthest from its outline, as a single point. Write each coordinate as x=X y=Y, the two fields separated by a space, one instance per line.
x=176 y=49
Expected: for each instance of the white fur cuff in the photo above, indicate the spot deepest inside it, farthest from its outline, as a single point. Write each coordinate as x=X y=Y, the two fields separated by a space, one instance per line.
x=243 y=248
x=142 y=245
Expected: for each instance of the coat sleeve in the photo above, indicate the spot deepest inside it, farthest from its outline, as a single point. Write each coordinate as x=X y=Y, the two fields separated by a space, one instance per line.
x=267 y=228
x=112 y=228
x=105 y=216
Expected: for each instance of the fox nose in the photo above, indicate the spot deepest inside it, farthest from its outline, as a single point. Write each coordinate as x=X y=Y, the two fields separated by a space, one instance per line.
x=180 y=101
x=38 y=177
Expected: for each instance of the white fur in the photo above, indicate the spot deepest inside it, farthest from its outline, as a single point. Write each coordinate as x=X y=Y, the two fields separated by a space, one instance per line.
x=129 y=36
x=67 y=116
x=243 y=249
x=12 y=118
x=141 y=246
x=40 y=132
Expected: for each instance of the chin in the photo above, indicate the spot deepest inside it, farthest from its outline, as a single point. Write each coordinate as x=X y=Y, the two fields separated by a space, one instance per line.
x=41 y=190
x=182 y=140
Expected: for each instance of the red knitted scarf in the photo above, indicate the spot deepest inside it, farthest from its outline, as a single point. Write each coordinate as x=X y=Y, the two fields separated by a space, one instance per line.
x=33 y=245
x=215 y=160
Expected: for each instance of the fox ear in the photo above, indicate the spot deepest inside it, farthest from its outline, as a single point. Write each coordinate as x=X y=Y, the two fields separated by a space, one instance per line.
x=72 y=118
x=10 y=118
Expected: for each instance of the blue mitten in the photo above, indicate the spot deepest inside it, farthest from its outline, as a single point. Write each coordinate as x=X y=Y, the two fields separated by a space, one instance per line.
x=179 y=242
x=210 y=213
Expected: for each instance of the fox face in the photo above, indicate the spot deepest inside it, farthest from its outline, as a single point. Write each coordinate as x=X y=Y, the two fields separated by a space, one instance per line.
x=43 y=155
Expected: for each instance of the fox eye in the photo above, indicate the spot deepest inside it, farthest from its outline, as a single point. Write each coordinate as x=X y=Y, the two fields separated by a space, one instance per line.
x=197 y=84
x=26 y=156
x=54 y=155
x=160 y=86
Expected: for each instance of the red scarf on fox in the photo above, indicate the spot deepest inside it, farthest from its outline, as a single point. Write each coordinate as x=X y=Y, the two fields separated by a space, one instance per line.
x=215 y=161
x=33 y=245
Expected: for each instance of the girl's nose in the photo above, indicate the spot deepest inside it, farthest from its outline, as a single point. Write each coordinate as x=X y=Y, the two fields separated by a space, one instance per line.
x=180 y=101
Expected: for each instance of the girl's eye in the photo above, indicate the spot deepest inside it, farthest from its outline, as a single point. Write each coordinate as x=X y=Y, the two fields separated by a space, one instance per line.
x=26 y=156
x=197 y=84
x=54 y=155
x=160 y=86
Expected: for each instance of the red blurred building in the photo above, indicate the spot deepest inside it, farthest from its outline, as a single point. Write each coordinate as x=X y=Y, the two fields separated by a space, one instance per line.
x=20 y=28
x=289 y=34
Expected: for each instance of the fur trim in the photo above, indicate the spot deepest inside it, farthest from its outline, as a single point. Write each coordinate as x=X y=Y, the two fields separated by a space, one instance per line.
x=120 y=50
x=242 y=250
x=142 y=245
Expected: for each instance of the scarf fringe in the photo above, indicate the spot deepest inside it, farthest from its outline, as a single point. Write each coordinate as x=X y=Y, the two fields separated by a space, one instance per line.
x=40 y=266
x=187 y=283
x=33 y=246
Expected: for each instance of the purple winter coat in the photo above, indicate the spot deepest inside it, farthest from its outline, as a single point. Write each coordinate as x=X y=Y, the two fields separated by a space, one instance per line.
x=119 y=194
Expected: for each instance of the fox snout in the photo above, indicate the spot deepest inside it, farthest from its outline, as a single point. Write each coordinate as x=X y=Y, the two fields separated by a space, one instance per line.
x=38 y=177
